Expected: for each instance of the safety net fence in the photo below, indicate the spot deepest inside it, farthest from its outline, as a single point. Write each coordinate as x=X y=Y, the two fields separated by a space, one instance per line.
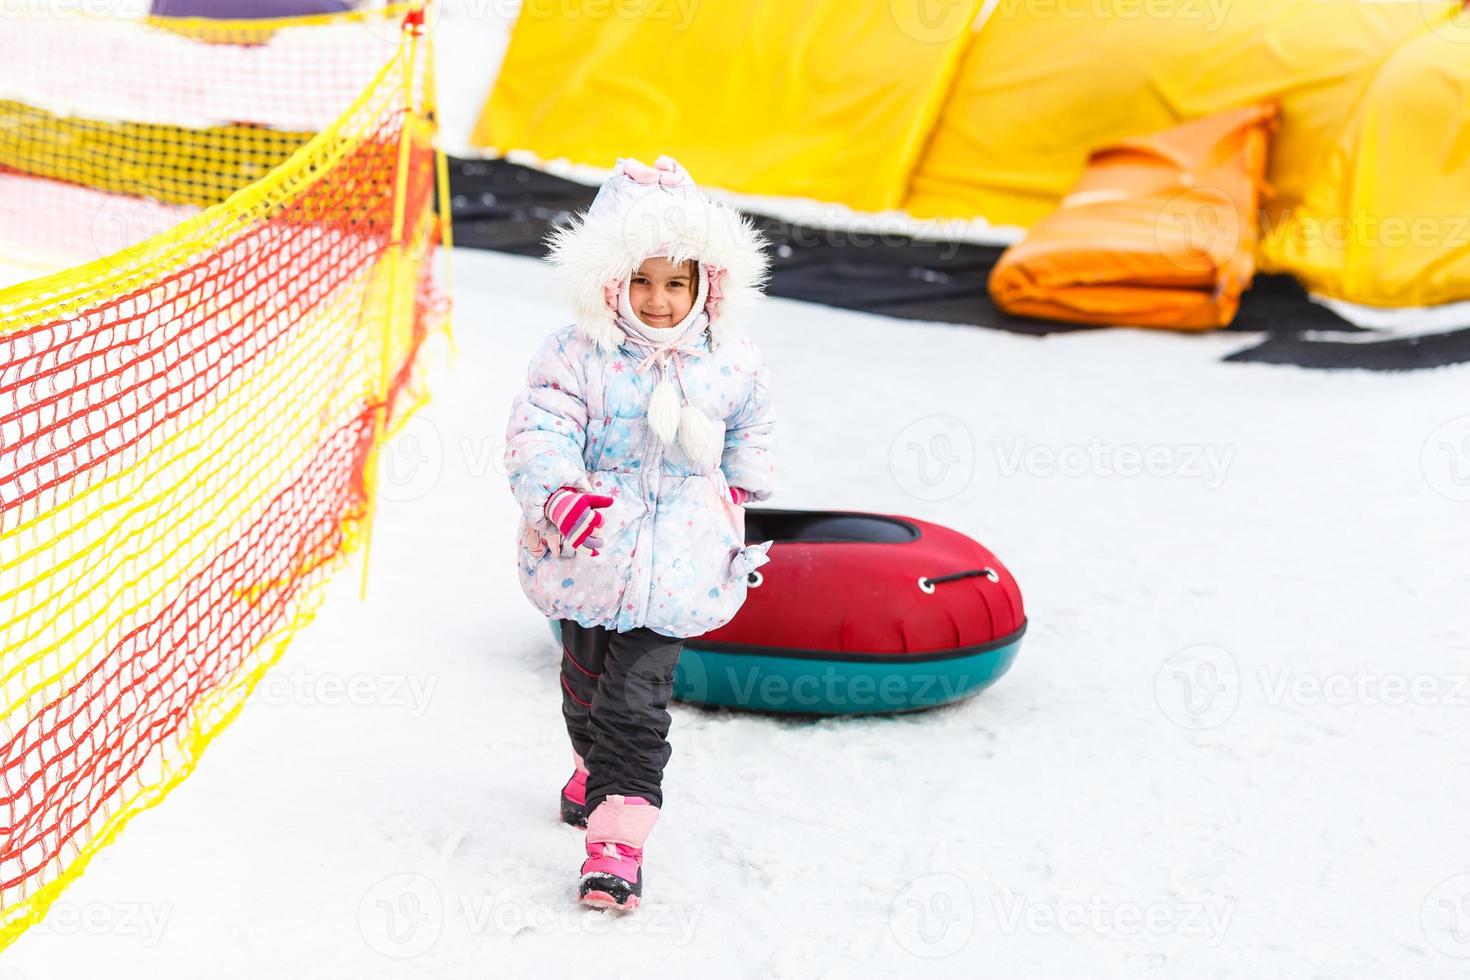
x=244 y=222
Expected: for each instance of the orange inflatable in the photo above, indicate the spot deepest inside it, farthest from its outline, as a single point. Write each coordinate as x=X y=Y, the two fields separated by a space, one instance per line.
x=1160 y=231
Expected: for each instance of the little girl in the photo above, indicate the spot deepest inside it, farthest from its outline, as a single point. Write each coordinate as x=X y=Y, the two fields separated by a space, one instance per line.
x=644 y=428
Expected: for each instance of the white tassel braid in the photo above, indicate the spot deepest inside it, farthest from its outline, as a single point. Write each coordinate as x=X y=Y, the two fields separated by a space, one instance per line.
x=672 y=417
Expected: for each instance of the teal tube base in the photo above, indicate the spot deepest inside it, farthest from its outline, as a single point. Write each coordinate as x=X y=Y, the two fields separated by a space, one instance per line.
x=798 y=685
x=755 y=681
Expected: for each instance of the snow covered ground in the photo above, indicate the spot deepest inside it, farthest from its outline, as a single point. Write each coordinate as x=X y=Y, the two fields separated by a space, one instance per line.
x=1236 y=742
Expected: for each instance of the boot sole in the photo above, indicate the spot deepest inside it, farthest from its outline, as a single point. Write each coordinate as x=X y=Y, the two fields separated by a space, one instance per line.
x=600 y=890
x=573 y=814
x=602 y=900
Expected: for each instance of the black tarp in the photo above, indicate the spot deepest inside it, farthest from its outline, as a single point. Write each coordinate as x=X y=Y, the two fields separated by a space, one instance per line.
x=510 y=208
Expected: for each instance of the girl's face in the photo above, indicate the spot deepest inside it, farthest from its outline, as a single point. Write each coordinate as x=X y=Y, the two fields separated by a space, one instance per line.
x=661 y=292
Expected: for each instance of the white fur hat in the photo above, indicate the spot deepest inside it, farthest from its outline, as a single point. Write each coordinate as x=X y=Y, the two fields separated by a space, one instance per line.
x=643 y=211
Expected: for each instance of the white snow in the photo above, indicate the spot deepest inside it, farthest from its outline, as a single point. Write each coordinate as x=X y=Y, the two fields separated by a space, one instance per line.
x=1161 y=787
x=97 y=70
x=1069 y=821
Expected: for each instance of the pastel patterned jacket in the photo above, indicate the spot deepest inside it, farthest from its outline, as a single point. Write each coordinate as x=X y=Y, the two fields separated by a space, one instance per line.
x=674 y=557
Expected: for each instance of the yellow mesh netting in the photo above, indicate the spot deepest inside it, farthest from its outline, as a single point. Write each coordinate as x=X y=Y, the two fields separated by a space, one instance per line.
x=188 y=425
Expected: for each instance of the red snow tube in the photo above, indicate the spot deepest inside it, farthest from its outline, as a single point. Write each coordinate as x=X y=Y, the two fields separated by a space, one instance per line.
x=844 y=581
x=858 y=613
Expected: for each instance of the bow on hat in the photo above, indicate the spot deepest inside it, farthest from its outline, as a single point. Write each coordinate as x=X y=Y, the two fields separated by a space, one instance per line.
x=665 y=172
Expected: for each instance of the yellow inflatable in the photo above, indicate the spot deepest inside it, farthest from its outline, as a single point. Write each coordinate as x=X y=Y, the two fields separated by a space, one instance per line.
x=1386 y=220
x=827 y=99
x=900 y=104
x=1368 y=167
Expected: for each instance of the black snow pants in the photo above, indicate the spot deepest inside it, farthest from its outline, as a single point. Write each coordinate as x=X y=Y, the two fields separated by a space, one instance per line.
x=615 y=690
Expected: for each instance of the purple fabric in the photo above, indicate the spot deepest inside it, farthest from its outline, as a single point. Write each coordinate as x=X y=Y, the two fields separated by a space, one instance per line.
x=249 y=9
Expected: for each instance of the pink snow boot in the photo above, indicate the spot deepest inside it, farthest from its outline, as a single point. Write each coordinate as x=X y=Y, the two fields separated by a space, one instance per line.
x=612 y=875
x=574 y=795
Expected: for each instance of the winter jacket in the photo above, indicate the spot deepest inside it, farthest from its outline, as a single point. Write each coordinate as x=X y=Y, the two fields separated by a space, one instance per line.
x=674 y=557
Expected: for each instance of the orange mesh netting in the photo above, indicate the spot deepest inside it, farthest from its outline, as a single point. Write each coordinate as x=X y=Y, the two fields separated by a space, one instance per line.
x=188 y=426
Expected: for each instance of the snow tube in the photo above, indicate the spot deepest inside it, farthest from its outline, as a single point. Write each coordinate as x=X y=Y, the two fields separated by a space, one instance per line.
x=857 y=613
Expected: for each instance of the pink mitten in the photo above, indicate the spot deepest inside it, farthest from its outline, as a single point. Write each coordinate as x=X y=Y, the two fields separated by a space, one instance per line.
x=575 y=515
x=739 y=495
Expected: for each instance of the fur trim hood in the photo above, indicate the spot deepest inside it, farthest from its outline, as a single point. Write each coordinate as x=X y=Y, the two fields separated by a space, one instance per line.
x=643 y=211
